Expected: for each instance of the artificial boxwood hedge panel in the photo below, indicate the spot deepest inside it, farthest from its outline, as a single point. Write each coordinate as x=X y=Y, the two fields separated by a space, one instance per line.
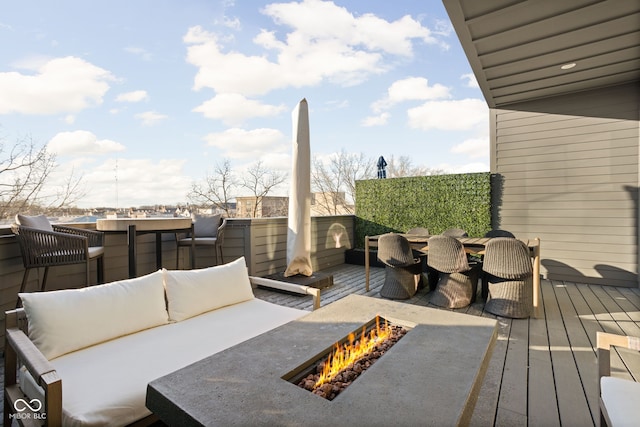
x=436 y=202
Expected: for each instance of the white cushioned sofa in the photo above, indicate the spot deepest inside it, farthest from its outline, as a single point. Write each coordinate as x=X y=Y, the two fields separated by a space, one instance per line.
x=84 y=357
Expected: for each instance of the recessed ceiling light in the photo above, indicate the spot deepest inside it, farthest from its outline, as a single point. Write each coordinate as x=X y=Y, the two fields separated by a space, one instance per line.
x=568 y=66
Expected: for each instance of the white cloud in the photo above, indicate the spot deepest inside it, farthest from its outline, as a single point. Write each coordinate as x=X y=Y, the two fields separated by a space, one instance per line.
x=139 y=182
x=310 y=18
x=378 y=120
x=471 y=80
x=234 y=109
x=248 y=144
x=279 y=162
x=460 y=114
x=31 y=62
x=473 y=147
x=138 y=51
x=336 y=104
x=346 y=52
x=134 y=96
x=410 y=89
x=443 y=28
x=464 y=168
x=233 y=23
x=61 y=85
x=82 y=143
x=150 y=118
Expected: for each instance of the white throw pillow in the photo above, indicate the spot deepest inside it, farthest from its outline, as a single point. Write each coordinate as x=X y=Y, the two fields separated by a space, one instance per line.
x=193 y=292
x=67 y=320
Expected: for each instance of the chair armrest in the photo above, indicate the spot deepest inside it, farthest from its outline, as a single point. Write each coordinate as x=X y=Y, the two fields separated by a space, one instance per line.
x=604 y=342
x=610 y=403
x=220 y=232
x=290 y=287
x=28 y=353
x=96 y=238
x=18 y=347
x=40 y=247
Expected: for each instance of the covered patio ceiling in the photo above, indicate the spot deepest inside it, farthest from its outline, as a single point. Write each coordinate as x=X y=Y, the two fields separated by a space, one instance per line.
x=522 y=50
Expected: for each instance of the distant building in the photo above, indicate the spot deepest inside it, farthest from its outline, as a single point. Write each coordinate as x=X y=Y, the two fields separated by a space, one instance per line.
x=321 y=204
x=214 y=210
x=266 y=207
x=330 y=203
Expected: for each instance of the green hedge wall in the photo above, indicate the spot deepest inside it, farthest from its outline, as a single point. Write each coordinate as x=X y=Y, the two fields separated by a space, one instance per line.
x=436 y=202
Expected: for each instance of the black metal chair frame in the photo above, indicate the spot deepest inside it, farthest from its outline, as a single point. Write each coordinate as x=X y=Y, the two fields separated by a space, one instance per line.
x=191 y=241
x=62 y=246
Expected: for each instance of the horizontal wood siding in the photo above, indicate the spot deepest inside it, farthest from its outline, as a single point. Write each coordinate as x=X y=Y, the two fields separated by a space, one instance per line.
x=567 y=172
x=268 y=245
x=263 y=243
x=331 y=236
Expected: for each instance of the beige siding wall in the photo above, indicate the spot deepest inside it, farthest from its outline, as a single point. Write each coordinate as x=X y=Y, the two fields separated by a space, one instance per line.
x=567 y=172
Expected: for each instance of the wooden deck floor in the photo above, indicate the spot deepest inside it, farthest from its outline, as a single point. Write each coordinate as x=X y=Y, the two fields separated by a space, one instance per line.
x=543 y=372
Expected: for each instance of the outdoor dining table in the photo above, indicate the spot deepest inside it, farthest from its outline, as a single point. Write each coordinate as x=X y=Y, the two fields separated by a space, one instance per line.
x=472 y=245
x=135 y=226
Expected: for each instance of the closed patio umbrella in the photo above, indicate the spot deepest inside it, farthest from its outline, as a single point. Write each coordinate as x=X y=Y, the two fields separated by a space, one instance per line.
x=299 y=225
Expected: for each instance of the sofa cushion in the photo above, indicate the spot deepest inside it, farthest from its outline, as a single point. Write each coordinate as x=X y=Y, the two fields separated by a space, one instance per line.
x=39 y=222
x=620 y=398
x=106 y=384
x=67 y=320
x=193 y=292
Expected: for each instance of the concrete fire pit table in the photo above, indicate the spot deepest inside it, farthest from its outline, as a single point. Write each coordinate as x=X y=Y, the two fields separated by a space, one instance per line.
x=430 y=377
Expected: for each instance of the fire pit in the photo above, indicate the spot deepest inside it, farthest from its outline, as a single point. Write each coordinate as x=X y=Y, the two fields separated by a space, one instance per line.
x=430 y=377
x=329 y=375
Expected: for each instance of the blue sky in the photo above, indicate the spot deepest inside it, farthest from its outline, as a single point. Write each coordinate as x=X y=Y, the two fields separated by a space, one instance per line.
x=166 y=89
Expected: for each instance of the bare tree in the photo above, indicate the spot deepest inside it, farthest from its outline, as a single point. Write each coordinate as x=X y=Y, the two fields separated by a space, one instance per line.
x=68 y=193
x=217 y=189
x=403 y=167
x=24 y=169
x=260 y=181
x=336 y=180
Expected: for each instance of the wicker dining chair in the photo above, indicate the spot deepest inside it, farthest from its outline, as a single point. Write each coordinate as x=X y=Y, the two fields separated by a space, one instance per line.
x=403 y=270
x=419 y=231
x=207 y=231
x=43 y=244
x=457 y=276
x=455 y=232
x=499 y=233
x=508 y=278
x=431 y=274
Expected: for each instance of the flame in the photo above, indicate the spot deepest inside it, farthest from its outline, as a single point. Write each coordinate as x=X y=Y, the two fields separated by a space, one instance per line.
x=350 y=352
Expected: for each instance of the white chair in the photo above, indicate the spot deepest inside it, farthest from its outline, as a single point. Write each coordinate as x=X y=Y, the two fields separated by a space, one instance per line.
x=619 y=398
